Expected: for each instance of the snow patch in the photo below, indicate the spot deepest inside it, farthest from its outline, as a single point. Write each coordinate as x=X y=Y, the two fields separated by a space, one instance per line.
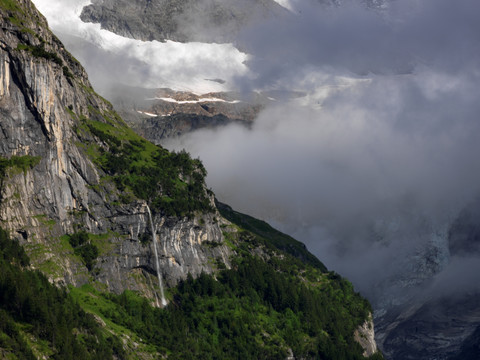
x=201 y=100
x=287 y=4
x=147 y=113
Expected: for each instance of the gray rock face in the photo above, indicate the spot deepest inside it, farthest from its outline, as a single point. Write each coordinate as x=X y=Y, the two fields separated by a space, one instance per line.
x=365 y=336
x=42 y=98
x=183 y=21
x=435 y=329
x=435 y=314
x=45 y=99
x=185 y=247
x=165 y=113
x=470 y=349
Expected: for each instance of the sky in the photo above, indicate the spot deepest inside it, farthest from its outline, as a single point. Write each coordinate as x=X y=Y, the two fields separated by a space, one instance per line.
x=372 y=165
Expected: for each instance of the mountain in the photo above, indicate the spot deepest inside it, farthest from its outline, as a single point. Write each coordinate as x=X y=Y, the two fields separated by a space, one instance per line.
x=413 y=321
x=444 y=327
x=144 y=263
x=439 y=316
x=157 y=114
x=183 y=21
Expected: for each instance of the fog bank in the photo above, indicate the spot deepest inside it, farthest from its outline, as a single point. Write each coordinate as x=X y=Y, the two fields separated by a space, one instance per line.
x=370 y=168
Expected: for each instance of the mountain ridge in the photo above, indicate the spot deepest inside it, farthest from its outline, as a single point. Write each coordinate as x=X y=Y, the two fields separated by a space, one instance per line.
x=77 y=189
x=193 y=21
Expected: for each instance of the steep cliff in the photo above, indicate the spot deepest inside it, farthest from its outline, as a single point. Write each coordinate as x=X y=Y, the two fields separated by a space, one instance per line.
x=114 y=218
x=50 y=111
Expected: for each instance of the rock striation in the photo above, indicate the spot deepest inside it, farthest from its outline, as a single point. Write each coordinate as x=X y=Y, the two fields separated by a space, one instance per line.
x=183 y=21
x=44 y=94
x=94 y=203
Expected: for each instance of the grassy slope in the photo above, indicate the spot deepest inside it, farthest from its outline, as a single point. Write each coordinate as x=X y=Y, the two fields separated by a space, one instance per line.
x=276 y=238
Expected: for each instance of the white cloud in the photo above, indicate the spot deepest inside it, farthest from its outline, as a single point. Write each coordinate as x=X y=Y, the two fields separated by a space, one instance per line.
x=110 y=58
x=379 y=154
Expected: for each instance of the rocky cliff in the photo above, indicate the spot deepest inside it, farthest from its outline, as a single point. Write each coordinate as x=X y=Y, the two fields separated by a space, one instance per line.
x=157 y=114
x=44 y=96
x=184 y=21
x=365 y=335
x=95 y=204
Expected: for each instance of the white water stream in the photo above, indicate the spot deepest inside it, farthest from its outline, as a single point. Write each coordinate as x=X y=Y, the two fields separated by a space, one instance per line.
x=154 y=234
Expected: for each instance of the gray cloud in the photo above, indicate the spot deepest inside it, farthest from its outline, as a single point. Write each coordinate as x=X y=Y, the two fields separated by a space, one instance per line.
x=355 y=38
x=375 y=171
x=332 y=174
x=458 y=279
x=373 y=164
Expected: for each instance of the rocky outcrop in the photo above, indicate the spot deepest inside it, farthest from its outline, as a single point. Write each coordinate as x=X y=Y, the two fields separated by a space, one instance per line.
x=185 y=247
x=184 y=21
x=61 y=148
x=164 y=113
x=365 y=336
x=431 y=328
x=44 y=95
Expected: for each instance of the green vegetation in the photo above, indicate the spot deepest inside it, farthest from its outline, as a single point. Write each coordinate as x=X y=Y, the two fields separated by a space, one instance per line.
x=67 y=72
x=17 y=15
x=260 y=308
x=16 y=163
x=37 y=316
x=23 y=163
x=172 y=183
x=84 y=248
x=255 y=311
x=42 y=218
x=270 y=237
x=10 y=5
x=40 y=52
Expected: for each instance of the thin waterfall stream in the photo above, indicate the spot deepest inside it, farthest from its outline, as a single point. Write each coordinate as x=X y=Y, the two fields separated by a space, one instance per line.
x=154 y=235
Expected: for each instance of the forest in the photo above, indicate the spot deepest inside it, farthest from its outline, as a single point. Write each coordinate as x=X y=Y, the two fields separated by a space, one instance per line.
x=37 y=317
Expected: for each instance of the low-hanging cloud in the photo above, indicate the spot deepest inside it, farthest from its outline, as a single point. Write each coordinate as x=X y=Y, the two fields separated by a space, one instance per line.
x=376 y=161
x=387 y=151
x=110 y=59
x=354 y=37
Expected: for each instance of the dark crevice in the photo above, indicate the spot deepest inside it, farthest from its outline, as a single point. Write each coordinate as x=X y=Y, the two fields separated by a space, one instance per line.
x=146 y=269
x=18 y=77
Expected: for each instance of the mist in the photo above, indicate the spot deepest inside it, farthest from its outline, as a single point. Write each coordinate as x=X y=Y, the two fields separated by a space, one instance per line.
x=371 y=167
x=111 y=59
x=361 y=182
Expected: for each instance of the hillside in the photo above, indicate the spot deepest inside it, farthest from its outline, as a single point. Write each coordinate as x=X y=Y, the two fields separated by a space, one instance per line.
x=98 y=220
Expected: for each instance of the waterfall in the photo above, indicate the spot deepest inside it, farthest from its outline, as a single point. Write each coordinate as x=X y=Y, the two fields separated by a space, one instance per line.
x=154 y=292
x=154 y=234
